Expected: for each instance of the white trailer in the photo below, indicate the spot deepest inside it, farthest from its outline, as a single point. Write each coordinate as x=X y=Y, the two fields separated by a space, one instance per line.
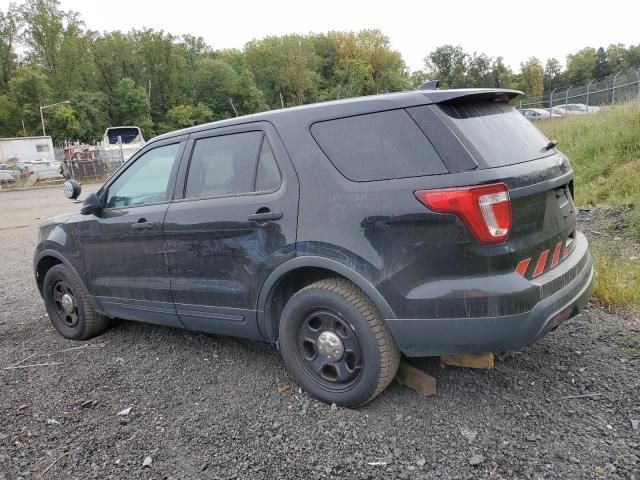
x=26 y=149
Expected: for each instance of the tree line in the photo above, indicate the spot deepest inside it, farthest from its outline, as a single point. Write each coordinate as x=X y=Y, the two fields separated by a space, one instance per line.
x=160 y=81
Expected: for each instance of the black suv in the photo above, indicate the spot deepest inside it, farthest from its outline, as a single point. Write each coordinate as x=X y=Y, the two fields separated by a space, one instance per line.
x=428 y=222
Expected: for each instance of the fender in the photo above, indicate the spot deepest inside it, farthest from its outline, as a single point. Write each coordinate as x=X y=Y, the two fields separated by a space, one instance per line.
x=265 y=325
x=52 y=253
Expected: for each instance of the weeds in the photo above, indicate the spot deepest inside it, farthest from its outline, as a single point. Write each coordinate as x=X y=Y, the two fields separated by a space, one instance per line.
x=604 y=150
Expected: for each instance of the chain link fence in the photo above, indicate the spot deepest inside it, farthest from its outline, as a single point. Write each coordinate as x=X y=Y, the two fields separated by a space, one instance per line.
x=88 y=161
x=619 y=88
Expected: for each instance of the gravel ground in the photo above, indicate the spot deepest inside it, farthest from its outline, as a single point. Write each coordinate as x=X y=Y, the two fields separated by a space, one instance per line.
x=212 y=407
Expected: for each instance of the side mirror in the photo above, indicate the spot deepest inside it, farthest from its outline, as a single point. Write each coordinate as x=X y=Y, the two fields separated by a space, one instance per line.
x=72 y=189
x=92 y=204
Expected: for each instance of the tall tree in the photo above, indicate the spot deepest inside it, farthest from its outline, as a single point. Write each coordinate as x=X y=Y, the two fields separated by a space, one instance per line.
x=532 y=82
x=55 y=40
x=130 y=106
x=64 y=125
x=447 y=64
x=552 y=74
x=502 y=76
x=479 y=71
x=580 y=66
x=9 y=28
x=29 y=89
x=602 y=68
x=616 y=56
x=182 y=116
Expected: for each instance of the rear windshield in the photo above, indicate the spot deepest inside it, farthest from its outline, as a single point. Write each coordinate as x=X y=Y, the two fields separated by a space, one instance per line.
x=497 y=131
x=378 y=146
x=127 y=135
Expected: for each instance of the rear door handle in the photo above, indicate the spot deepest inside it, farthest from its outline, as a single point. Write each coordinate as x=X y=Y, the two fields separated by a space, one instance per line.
x=142 y=224
x=264 y=216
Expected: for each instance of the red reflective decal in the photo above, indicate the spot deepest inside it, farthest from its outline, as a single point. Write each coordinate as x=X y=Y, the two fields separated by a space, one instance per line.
x=556 y=255
x=542 y=261
x=522 y=267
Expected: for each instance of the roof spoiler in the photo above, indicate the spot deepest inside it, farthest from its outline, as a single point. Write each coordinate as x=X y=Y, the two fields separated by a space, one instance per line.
x=471 y=94
x=430 y=85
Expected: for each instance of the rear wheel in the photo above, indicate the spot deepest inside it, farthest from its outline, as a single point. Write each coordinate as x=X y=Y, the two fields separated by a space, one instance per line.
x=336 y=344
x=68 y=305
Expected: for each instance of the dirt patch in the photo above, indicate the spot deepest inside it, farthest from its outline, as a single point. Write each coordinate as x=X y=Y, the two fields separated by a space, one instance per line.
x=212 y=407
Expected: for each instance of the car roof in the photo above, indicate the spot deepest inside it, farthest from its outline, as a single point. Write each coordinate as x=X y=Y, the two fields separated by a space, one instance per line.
x=315 y=112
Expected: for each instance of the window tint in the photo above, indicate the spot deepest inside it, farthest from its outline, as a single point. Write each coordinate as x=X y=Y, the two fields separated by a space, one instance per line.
x=146 y=181
x=378 y=146
x=226 y=165
x=500 y=134
x=268 y=176
x=223 y=165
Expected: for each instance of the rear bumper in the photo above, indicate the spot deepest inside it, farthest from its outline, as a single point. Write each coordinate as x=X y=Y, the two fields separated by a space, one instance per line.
x=431 y=337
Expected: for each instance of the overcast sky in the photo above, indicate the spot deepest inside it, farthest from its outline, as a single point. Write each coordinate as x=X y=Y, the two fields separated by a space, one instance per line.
x=539 y=28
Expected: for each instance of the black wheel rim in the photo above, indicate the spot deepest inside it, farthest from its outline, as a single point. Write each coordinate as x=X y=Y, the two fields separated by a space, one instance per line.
x=65 y=304
x=329 y=371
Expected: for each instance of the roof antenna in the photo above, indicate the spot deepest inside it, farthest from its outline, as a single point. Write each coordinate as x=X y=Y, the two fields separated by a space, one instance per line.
x=430 y=85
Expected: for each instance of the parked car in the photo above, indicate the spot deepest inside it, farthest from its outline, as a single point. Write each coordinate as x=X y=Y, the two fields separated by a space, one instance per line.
x=6 y=178
x=579 y=109
x=537 y=114
x=39 y=171
x=560 y=111
x=430 y=222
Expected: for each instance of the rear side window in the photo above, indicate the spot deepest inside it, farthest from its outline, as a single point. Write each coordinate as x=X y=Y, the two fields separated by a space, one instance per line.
x=497 y=131
x=268 y=176
x=232 y=165
x=378 y=146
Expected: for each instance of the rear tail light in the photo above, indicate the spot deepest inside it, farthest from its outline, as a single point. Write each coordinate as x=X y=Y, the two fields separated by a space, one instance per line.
x=485 y=209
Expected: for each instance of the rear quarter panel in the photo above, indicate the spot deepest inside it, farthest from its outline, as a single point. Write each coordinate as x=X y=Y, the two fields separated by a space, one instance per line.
x=381 y=231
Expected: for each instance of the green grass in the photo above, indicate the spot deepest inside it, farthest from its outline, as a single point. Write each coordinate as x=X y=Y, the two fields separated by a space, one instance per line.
x=604 y=150
x=617 y=282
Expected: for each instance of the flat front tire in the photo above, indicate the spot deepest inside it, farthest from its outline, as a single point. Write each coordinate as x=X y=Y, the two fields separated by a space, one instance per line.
x=336 y=344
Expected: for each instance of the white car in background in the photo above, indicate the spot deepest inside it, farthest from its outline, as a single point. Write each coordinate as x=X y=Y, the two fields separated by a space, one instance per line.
x=537 y=113
x=579 y=109
x=560 y=111
x=43 y=170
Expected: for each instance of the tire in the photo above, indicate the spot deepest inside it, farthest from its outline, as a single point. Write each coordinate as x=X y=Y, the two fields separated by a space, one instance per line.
x=79 y=321
x=312 y=320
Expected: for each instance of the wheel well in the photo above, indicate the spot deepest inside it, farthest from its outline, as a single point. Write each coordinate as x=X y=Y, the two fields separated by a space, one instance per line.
x=286 y=287
x=44 y=265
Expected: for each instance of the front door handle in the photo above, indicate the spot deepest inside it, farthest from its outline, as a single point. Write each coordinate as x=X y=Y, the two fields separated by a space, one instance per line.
x=264 y=216
x=142 y=224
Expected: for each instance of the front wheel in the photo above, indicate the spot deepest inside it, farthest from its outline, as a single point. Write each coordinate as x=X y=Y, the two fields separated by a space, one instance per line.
x=336 y=344
x=69 y=307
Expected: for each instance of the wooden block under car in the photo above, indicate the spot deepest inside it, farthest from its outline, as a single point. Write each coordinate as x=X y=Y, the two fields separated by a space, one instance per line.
x=416 y=380
x=483 y=360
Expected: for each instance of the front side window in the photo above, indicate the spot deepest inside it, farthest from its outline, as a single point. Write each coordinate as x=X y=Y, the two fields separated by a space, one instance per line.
x=146 y=181
x=231 y=165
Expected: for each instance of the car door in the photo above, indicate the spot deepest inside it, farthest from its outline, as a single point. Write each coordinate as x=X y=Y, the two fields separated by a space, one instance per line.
x=235 y=222
x=123 y=246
